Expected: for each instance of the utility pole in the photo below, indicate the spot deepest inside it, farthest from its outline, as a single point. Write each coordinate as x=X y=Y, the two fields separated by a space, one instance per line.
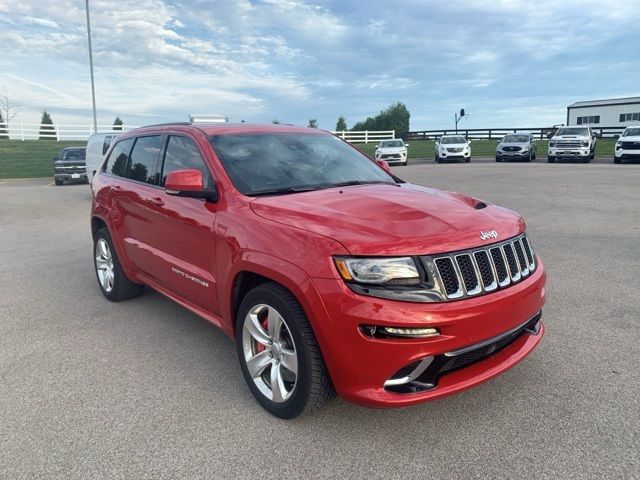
x=93 y=87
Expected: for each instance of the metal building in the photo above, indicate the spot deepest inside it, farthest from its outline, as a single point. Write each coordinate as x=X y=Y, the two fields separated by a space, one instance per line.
x=615 y=112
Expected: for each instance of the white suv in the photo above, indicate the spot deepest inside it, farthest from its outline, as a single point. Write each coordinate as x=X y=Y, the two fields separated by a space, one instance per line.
x=453 y=147
x=572 y=142
x=394 y=152
x=628 y=145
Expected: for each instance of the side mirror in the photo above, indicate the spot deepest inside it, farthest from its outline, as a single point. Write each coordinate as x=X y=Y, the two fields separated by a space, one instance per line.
x=188 y=183
x=384 y=165
x=406 y=144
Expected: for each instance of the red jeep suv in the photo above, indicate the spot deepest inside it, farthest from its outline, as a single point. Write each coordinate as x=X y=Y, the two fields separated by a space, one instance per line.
x=331 y=273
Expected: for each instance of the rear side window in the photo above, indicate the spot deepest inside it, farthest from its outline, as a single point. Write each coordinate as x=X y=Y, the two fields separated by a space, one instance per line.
x=182 y=154
x=106 y=143
x=117 y=161
x=144 y=159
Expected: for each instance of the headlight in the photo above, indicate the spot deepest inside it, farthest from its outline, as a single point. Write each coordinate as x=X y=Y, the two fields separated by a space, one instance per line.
x=378 y=271
x=618 y=146
x=552 y=143
x=585 y=143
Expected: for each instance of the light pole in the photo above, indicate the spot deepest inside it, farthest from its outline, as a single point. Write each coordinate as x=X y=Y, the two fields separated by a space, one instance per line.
x=93 y=87
x=458 y=118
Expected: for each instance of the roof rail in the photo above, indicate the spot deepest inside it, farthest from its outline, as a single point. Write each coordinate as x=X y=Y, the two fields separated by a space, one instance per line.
x=207 y=118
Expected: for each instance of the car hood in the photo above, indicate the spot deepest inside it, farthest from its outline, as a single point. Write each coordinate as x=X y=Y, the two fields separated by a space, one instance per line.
x=390 y=219
x=453 y=145
x=391 y=150
x=570 y=137
x=70 y=163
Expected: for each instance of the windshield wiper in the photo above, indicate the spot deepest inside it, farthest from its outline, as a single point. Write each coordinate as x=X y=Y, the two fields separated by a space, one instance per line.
x=357 y=182
x=282 y=191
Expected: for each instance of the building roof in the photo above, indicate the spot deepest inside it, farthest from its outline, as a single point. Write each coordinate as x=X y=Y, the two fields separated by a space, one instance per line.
x=603 y=103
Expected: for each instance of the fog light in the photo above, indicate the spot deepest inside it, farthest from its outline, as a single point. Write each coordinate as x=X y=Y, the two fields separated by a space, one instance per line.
x=411 y=332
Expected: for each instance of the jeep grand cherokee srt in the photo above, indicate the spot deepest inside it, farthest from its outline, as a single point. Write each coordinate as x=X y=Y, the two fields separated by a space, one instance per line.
x=330 y=273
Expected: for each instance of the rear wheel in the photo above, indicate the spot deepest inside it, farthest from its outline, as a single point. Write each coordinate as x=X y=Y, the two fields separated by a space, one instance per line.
x=279 y=354
x=111 y=278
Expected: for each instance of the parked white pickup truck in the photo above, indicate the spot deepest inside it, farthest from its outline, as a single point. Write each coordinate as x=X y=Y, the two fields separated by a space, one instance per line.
x=572 y=142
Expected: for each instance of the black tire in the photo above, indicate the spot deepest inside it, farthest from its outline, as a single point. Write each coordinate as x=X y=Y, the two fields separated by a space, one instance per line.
x=551 y=159
x=617 y=160
x=528 y=158
x=58 y=182
x=312 y=388
x=586 y=159
x=498 y=159
x=467 y=160
x=437 y=159
x=123 y=288
x=535 y=155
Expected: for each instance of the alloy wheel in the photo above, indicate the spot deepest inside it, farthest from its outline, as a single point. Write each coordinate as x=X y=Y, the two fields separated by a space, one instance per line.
x=270 y=353
x=104 y=265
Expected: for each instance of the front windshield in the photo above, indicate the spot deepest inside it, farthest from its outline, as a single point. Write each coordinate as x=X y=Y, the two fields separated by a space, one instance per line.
x=515 y=139
x=573 y=131
x=450 y=140
x=392 y=144
x=262 y=163
x=631 y=132
x=75 y=154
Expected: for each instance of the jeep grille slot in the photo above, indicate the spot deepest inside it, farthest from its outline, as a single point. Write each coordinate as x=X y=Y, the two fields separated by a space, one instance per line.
x=482 y=270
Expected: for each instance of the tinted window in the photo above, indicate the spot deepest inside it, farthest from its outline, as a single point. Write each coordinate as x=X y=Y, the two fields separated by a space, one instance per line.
x=288 y=162
x=75 y=154
x=117 y=161
x=183 y=154
x=144 y=158
x=106 y=143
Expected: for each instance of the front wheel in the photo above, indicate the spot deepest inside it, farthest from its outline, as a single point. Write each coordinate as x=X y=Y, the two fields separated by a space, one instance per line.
x=467 y=160
x=616 y=160
x=111 y=278
x=498 y=159
x=58 y=182
x=551 y=159
x=279 y=354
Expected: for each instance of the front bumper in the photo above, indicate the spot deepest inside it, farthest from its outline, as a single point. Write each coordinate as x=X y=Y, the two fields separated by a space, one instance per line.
x=627 y=154
x=514 y=155
x=569 y=152
x=396 y=159
x=360 y=365
x=76 y=176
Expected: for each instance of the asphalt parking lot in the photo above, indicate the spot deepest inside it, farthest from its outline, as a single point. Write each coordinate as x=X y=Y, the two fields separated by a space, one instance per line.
x=145 y=389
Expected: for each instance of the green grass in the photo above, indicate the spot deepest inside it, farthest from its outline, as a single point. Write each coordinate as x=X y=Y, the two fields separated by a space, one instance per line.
x=30 y=158
x=481 y=148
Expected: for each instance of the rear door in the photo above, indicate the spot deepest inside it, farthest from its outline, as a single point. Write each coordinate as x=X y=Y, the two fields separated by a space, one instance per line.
x=183 y=229
x=133 y=166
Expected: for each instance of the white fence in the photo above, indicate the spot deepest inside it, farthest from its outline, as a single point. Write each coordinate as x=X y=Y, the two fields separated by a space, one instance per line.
x=35 y=131
x=366 y=136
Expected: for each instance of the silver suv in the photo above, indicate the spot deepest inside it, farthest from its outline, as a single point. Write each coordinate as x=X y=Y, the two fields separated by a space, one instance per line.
x=516 y=146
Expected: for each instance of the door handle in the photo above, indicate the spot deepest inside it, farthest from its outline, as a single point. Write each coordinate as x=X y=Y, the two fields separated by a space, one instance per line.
x=156 y=201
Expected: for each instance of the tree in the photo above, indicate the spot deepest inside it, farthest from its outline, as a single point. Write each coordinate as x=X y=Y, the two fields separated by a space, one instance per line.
x=47 y=130
x=394 y=117
x=8 y=108
x=275 y=121
x=341 y=126
x=3 y=128
x=117 y=123
x=313 y=123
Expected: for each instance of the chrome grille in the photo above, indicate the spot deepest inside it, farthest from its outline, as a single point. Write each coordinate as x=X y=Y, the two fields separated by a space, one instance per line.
x=569 y=143
x=482 y=270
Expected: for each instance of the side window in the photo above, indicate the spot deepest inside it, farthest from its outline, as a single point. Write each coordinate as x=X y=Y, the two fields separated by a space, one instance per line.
x=144 y=158
x=181 y=154
x=117 y=161
x=106 y=143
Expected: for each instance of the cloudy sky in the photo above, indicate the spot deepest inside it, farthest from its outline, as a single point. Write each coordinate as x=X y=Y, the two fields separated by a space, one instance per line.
x=506 y=62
